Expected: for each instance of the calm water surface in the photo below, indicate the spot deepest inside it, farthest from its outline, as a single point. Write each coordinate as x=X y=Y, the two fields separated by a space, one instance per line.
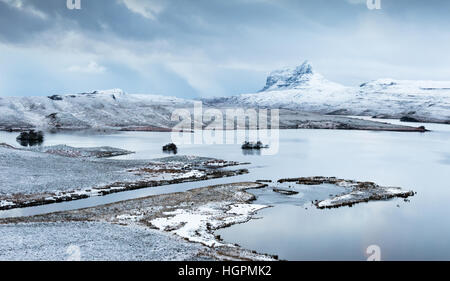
x=419 y=229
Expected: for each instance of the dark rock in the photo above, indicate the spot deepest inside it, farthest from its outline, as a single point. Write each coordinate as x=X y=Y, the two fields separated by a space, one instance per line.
x=55 y=97
x=170 y=148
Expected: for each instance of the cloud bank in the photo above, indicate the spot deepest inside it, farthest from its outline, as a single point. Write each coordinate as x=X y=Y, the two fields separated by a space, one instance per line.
x=213 y=47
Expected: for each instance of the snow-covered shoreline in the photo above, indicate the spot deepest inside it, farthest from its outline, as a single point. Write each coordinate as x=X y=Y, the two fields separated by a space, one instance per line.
x=354 y=191
x=196 y=225
x=33 y=177
x=193 y=215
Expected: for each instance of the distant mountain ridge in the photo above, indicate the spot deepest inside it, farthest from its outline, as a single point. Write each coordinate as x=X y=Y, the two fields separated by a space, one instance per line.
x=99 y=109
x=117 y=110
x=303 y=95
x=301 y=88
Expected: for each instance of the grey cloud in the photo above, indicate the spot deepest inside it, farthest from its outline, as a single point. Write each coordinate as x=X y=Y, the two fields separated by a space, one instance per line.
x=17 y=25
x=226 y=47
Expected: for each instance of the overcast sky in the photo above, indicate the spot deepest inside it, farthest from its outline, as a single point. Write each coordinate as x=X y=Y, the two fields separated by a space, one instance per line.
x=192 y=48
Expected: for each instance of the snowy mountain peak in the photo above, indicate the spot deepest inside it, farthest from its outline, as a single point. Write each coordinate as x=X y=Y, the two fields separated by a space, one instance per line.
x=300 y=77
x=305 y=68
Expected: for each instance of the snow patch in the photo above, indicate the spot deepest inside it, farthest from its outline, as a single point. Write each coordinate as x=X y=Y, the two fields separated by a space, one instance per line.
x=5 y=203
x=243 y=209
x=197 y=224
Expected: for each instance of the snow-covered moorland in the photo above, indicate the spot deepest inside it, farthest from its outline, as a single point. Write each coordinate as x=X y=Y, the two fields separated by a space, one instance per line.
x=193 y=215
x=30 y=177
x=91 y=241
x=98 y=109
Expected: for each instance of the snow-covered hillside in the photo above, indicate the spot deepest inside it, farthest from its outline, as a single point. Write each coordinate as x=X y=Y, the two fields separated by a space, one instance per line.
x=99 y=109
x=114 y=109
x=304 y=95
x=303 y=89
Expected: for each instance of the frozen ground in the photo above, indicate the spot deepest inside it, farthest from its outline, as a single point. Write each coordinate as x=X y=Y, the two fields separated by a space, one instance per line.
x=93 y=241
x=23 y=171
x=195 y=224
x=193 y=215
x=30 y=178
x=68 y=151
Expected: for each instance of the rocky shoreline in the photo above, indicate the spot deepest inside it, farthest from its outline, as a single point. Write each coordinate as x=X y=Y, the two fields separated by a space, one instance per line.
x=355 y=191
